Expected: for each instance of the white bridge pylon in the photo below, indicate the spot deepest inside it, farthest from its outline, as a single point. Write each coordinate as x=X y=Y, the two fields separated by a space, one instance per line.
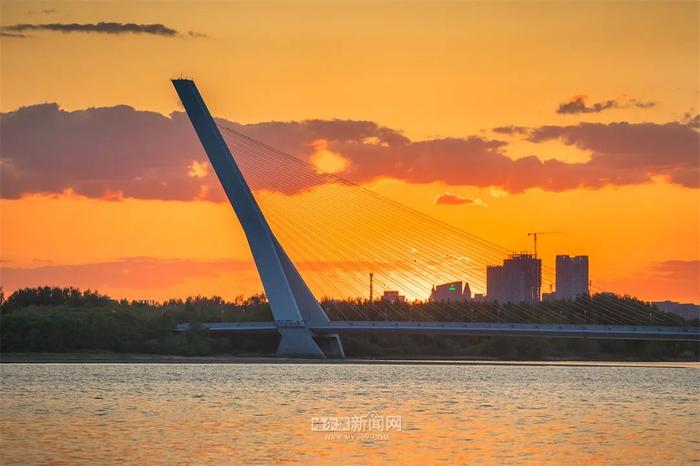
x=294 y=307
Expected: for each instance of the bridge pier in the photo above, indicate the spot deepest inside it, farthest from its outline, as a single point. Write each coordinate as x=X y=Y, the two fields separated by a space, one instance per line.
x=298 y=342
x=330 y=345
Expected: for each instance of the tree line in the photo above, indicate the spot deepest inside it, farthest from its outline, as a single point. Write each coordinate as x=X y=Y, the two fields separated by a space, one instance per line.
x=51 y=319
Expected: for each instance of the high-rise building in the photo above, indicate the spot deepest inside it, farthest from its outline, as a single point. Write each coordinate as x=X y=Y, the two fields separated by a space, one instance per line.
x=452 y=291
x=519 y=279
x=495 y=283
x=572 y=276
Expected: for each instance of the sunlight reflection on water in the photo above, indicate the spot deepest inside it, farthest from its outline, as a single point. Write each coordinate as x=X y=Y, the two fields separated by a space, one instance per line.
x=261 y=413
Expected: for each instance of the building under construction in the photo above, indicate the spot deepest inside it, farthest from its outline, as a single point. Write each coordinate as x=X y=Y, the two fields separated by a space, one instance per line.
x=572 y=276
x=519 y=279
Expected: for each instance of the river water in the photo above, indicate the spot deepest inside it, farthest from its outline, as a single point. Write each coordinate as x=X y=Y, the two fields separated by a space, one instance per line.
x=347 y=413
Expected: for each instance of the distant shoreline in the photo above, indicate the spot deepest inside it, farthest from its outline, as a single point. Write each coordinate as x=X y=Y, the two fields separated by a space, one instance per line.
x=118 y=358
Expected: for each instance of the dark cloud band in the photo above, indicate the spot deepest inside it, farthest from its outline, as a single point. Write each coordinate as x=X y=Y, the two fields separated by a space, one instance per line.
x=98 y=28
x=116 y=152
x=577 y=104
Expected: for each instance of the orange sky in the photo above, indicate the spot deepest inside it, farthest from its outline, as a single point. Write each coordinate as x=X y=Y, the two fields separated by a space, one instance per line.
x=429 y=70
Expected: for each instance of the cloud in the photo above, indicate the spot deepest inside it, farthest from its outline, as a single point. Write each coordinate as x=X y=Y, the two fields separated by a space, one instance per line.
x=163 y=278
x=119 y=152
x=198 y=169
x=98 y=28
x=511 y=130
x=134 y=272
x=659 y=281
x=692 y=121
x=143 y=277
x=677 y=270
x=628 y=153
x=577 y=104
x=197 y=35
x=42 y=12
x=15 y=35
x=98 y=151
x=452 y=199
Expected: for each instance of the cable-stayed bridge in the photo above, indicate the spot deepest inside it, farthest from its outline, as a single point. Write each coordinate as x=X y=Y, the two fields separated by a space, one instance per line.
x=336 y=232
x=617 y=332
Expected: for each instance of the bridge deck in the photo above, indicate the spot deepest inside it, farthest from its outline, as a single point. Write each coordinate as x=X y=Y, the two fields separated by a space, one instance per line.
x=471 y=328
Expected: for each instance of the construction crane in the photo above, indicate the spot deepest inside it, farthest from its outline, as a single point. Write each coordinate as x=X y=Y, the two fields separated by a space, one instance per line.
x=535 y=233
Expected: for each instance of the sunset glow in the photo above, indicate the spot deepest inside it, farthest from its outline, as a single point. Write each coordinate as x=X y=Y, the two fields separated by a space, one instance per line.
x=493 y=118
